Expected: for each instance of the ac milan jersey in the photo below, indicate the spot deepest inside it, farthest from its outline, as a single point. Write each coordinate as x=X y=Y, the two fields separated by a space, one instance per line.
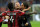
x=14 y=15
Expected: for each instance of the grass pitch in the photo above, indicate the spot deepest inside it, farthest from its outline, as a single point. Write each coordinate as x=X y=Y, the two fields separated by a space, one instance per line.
x=33 y=23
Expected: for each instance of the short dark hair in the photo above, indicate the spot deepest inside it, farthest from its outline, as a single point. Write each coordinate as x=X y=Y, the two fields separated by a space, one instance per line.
x=25 y=4
x=10 y=5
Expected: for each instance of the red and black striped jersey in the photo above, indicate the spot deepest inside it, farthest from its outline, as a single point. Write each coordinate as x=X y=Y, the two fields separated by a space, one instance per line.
x=14 y=15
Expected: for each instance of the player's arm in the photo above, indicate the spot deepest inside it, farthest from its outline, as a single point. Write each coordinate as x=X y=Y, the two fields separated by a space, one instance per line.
x=26 y=9
x=21 y=13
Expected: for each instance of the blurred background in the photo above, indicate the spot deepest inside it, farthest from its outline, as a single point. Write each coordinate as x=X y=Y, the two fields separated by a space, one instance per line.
x=34 y=4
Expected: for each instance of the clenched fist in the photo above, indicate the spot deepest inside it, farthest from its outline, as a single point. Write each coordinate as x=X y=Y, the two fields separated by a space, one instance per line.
x=26 y=24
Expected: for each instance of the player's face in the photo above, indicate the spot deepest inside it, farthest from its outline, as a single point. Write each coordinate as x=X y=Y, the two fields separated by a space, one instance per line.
x=22 y=6
x=17 y=5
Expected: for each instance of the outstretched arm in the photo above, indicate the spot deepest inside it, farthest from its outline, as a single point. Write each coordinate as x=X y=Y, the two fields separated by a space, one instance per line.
x=26 y=9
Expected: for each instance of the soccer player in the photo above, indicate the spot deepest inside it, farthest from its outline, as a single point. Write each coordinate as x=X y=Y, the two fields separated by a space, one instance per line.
x=14 y=15
x=17 y=7
x=25 y=8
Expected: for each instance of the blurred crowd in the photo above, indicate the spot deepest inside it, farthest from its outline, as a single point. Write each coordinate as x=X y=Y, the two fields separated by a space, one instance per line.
x=3 y=3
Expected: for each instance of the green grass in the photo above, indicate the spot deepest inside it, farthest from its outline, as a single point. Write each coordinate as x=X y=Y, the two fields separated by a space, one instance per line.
x=33 y=23
x=4 y=25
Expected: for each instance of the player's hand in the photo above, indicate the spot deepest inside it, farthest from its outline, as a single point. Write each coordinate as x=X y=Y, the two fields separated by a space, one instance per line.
x=26 y=24
x=6 y=17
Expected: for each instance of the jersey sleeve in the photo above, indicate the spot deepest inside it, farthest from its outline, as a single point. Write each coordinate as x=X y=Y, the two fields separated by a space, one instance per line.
x=21 y=13
x=3 y=14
